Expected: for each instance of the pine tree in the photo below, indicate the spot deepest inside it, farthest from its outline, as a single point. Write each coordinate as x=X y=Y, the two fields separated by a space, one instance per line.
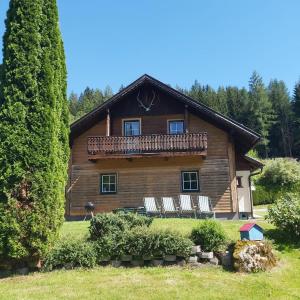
x=261 y=114
x=34 y=130
x=296 y=123
x=280 y=133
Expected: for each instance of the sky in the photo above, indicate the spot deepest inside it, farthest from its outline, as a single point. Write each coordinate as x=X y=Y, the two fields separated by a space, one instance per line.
x=217 y=42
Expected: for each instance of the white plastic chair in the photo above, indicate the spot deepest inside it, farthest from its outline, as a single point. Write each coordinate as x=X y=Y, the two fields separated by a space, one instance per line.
x=168 y=206
x=151 y=206
x=186 y=205
x=204 y=206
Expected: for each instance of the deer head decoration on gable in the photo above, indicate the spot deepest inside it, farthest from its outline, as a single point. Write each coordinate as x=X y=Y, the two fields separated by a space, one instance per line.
x=147 y=100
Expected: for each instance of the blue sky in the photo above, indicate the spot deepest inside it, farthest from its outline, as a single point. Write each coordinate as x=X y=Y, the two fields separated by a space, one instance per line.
x=217 y=42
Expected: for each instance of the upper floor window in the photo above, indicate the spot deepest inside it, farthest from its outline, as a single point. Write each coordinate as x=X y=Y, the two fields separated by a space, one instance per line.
x=176 y=127
x=131 y=127
x=239 y=181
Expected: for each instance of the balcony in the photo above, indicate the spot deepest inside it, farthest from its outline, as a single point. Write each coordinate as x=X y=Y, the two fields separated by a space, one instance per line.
x=100 y=147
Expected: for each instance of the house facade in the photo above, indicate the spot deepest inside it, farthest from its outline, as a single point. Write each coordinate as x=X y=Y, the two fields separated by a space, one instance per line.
x=151 y=140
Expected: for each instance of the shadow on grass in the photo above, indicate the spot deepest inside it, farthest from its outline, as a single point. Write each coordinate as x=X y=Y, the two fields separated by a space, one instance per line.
x=283 y=241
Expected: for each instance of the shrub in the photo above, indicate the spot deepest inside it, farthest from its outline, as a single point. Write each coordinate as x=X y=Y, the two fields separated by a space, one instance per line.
x=253 y=256
x=70 y=254
x=285 y=214
x=210 y=235
x=134 y=220
x=279 y=176
x=106 y=224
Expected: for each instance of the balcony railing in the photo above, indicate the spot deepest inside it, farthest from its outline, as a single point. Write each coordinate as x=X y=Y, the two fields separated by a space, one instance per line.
x=146 y=144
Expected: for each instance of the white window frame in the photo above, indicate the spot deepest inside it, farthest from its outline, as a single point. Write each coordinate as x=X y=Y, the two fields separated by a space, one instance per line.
x=176 y=120
x=109 y=183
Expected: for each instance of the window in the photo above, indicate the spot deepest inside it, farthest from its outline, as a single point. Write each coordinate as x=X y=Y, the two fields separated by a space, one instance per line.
x=176 y=127
x=239 y=182
x=190 y=181
x=132 y=127
x=108 y=183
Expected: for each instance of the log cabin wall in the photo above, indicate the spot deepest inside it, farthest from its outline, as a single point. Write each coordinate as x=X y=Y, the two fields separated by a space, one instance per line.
x=157 y=177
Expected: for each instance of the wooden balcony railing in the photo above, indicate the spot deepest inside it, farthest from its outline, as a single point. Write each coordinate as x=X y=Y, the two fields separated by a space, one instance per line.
x=146 y=144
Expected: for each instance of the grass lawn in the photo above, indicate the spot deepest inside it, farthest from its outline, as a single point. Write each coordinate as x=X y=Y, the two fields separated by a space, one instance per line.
x=283 y=282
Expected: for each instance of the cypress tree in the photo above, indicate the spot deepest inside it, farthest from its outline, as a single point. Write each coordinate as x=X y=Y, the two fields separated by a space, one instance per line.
x=34 y=129
x=296 y=112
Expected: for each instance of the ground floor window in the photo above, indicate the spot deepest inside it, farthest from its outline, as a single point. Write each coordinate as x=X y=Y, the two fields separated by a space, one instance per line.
x=108 y=183
x=190 y=181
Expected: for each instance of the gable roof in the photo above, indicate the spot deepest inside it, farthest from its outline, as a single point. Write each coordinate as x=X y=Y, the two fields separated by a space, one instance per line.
x=247 y=137
x=249 y=226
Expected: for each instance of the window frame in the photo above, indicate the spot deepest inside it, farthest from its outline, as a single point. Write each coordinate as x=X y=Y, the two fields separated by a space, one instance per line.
x=176 y=120
x=101 y=184
x=183 y=190
x=131 y=120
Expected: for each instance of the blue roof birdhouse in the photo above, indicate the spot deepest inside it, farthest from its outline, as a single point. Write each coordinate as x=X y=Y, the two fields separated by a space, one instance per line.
x=251 y=232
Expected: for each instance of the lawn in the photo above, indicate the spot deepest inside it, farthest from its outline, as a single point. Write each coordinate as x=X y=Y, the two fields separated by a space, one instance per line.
x=283 y=282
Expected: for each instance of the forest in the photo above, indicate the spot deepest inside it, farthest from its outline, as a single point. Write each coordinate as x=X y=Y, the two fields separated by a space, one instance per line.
x=269 y=110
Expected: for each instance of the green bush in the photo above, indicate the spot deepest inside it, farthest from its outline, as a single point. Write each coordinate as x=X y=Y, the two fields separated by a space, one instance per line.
x=285 y=214
x=279 y=176
x=109 y=223
x=70 y=254
x=210 y=235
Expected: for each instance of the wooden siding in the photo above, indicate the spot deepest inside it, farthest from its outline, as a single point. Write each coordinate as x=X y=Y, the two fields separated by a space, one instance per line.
x=159 y=177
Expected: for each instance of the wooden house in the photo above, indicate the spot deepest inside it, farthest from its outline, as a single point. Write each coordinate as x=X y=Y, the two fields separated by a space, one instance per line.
x=151 y=140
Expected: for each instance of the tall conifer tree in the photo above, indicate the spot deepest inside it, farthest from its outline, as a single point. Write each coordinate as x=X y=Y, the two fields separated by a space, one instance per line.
x=34 y=129
x=296 y=125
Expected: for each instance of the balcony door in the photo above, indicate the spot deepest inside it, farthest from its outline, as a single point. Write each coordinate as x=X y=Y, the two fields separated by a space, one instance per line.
x=132 y=128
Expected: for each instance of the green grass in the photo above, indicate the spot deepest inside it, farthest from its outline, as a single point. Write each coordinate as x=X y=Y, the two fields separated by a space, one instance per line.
x=283 y=282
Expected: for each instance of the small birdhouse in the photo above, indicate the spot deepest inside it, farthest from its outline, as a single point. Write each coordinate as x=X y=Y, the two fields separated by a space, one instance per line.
x=251 y=232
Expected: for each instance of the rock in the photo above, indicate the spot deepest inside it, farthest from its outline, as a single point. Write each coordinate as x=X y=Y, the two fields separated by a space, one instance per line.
x=137 y=263
x=116 y=263
x=126 y=258
x=214 y=261
x=181 y=262
x=22 y=271
x=206 y=255
x=157 y=262
x=170 y=258
x=196 y=250
x=193 y=259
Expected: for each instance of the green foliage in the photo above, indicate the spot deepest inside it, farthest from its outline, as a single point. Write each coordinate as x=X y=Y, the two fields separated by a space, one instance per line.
x=110 y=223
x=34 y=148
x=262 y=195
x=253 y=256
x=70 y=254
x=296 y=119
x=285 y=214
x=210 y=235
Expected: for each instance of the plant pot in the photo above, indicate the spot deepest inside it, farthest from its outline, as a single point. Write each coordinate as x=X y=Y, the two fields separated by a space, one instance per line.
x=207 y=255
x=170 y=258
x=157 y=262
x=137 y=263
x=126 y=258
x=196 y=250
x=116 y=263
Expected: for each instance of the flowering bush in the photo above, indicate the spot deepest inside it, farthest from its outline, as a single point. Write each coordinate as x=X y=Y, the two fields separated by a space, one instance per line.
x=285 y=214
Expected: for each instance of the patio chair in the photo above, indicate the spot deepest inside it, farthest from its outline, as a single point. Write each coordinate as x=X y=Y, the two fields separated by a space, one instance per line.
x=168 y=206
x=204 y=206
x=186 y=205
x=151 y=206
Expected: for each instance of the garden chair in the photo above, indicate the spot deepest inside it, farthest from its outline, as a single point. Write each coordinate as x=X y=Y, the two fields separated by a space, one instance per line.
x=151 y=206
x=168 y=206
x=186 y=205
x=205 y=207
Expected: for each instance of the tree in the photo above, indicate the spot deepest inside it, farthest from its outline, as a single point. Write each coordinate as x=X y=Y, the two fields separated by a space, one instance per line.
x=296 y=123
x=280 y=133
x=260 y=111
x=34 y=130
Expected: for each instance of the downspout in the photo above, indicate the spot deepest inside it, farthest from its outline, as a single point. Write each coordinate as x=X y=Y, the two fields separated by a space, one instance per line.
x=250 y=186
